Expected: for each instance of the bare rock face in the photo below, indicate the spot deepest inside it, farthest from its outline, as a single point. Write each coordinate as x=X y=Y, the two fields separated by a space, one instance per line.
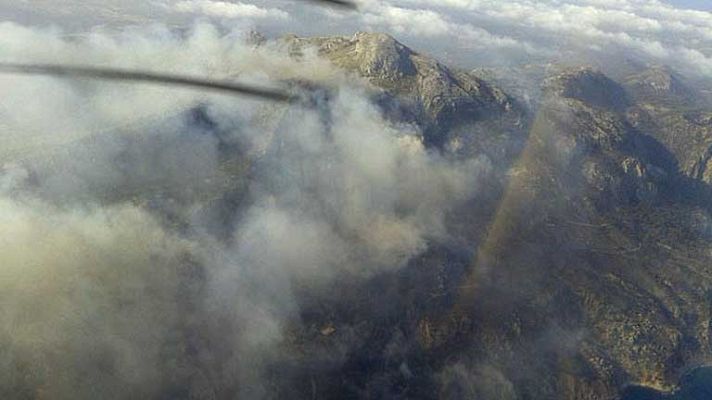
x=589 y=86
x=674 y=114
x=617 y=164
x=686 y=133
x=453 y=108
x=376 y=56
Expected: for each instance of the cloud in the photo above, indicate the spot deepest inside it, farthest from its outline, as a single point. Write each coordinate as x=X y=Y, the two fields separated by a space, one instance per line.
x=224 y=9
x=85 y=305
x=157 y=241
x=652 y=29
x=468 y=32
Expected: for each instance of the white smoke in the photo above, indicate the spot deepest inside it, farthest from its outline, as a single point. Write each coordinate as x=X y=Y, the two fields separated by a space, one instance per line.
x=153 y=241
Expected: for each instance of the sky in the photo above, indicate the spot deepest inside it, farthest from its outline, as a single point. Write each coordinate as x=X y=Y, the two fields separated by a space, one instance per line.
x=696 y=4
x=467 y=33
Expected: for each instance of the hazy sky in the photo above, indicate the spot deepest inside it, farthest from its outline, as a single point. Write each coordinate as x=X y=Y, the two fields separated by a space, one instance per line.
x=698 y=4
x=469 y=32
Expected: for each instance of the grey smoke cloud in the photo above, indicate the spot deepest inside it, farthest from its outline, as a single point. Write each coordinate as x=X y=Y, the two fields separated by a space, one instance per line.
x=148 y=252
x=155 y=242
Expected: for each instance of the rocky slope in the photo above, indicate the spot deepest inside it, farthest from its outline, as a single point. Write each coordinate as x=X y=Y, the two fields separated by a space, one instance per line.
x=583 y=266
x=447 y=104
x=676 y=115
x=591 y=240
x=659 y=84
x=587 y=271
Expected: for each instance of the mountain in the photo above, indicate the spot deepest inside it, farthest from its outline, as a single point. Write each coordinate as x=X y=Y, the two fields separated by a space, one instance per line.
x=580 y=268
x=447 y=104
x=604 y=274
x=590 y=87
x=659 y=84
x=590 y=266
x=676 y=115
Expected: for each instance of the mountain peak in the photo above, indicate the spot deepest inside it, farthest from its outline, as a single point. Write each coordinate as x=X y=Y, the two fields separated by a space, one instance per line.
x=382 y=37
x=416 y=84
x=660 y=79
x=659 y=84
x=376 y=56
x=379 y=54
x=589 y=86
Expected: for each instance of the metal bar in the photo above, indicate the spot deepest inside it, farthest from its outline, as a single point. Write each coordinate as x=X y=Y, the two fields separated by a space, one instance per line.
x=338 y=3
x=112 y=74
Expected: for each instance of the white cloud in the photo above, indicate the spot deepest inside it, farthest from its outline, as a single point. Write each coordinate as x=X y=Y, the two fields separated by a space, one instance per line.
x=648 y=28
x=469 y=31
x=110 y=197
x=223 y=9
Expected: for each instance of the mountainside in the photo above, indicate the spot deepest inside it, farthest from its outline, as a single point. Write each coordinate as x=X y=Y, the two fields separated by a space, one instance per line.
x=594 y=240
x=416 y=232
x=676 y=115
x=658 y=84
x=449 y=105
x=590 y=268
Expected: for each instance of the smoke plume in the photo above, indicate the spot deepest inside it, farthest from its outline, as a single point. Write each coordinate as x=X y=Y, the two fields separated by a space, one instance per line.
x=160 y=243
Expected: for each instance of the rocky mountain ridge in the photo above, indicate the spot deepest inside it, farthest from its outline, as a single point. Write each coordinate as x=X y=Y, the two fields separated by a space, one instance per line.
x=591 y=267
x=417 y=88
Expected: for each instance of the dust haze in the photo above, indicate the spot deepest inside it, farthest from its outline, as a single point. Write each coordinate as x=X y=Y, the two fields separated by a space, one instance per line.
x=159 y=243
x=173 y=243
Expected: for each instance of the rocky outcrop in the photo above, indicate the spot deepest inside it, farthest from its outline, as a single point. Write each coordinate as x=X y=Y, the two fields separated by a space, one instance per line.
x=687 y=134
x=590 y=87
x=454 y=109
x=667 y=109
x=614 y=163
x=659 y=84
